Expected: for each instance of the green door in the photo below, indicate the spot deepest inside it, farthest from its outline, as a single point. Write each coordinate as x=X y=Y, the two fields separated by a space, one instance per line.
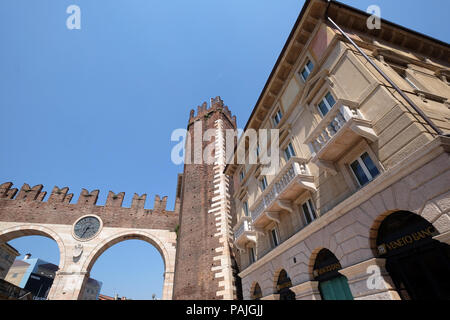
x=335 y=289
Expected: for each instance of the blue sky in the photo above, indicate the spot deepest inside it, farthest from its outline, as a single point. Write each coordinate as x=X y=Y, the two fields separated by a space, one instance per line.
x=95 y=108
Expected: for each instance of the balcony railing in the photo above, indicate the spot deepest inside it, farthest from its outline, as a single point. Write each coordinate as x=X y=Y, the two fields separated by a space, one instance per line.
x=292 y=179
x=342 y=126
x=244 y=232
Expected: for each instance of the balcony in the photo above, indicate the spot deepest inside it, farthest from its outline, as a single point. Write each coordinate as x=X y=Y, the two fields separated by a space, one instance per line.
x=293 y=179
x=244 y=233
x=342 y=127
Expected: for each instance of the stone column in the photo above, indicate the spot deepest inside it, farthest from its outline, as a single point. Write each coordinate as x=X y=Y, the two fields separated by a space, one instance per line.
x=68 y=285
x=168 y=285
x=271 y=297
x=369 y=280
x=307 y=291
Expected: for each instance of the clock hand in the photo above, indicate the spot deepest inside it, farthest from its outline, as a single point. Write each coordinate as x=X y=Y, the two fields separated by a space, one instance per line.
x=86 y=229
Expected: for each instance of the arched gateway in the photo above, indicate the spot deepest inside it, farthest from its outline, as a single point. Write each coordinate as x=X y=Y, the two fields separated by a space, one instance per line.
x=83 y=231
x=205 y=269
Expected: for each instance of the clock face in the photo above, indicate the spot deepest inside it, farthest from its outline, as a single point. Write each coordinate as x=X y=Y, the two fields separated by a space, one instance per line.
x=87 y=227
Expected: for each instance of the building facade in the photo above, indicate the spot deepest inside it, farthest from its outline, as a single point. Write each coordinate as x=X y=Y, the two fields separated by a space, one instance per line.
x=92 y=290
x=7 y=256
x=359 y=208
x=36 y=276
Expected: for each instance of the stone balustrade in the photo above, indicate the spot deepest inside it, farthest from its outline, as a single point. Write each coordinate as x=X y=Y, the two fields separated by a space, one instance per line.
x=296 y=167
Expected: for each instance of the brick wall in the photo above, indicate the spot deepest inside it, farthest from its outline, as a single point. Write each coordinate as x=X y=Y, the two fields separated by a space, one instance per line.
x=27 y=206
x=198 y=242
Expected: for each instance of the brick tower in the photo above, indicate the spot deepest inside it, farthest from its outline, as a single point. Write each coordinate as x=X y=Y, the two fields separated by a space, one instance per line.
x=205 y=267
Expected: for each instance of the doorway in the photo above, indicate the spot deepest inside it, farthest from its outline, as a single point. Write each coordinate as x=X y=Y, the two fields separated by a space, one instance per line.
x=418 y=265
x=332 y=285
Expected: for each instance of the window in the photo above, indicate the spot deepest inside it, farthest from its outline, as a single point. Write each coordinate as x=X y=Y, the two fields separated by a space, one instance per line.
x=306 y=71
x=409 y=81
x=364 y=169
x=264 y=183
x=251 y=255
x=277 y=118
x=245 y=206
x=401 y=71
x=289 y=152
x=309 y=212
x=326 y=104
x=274 y=237
x=14 y=275
x=241 y=175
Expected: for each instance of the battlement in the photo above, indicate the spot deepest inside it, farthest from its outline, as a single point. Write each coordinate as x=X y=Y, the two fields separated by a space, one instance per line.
x=62 y=195
x=216 y=104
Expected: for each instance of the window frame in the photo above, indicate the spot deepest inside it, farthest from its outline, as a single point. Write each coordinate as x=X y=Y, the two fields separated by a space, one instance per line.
x=246 y=208
x=277 y=114
x=251 y=255
x=263 y=183
x=312 y=213
x=327 y=104
x=306 y=67
x=274 y=241
x=289 y=147
x=363 y=166
x=241 y=175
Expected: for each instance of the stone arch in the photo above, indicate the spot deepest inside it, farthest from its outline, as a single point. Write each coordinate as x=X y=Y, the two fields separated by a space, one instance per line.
x=168 y=259
x=373 y=232
x=275 y=277
x=312 y=261
x=379 y=220
x=253 y=289
x=283 y=288
x=35 y=230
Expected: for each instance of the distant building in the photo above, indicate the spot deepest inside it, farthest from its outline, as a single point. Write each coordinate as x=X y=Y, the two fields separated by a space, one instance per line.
x=36 y=276
x=7 y=256
x=105 y=297
x=92 y=290
x=116 y=297
x=9 y=291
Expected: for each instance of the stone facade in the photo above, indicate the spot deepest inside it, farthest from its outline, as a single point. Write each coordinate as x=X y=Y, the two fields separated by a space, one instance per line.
x=234 y=230
x=362 y=115
x=7 y=256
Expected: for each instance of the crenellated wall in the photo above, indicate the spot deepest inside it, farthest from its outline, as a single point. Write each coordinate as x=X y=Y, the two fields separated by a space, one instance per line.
x=216 y=104
x=24 y=212
x=27 y=205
